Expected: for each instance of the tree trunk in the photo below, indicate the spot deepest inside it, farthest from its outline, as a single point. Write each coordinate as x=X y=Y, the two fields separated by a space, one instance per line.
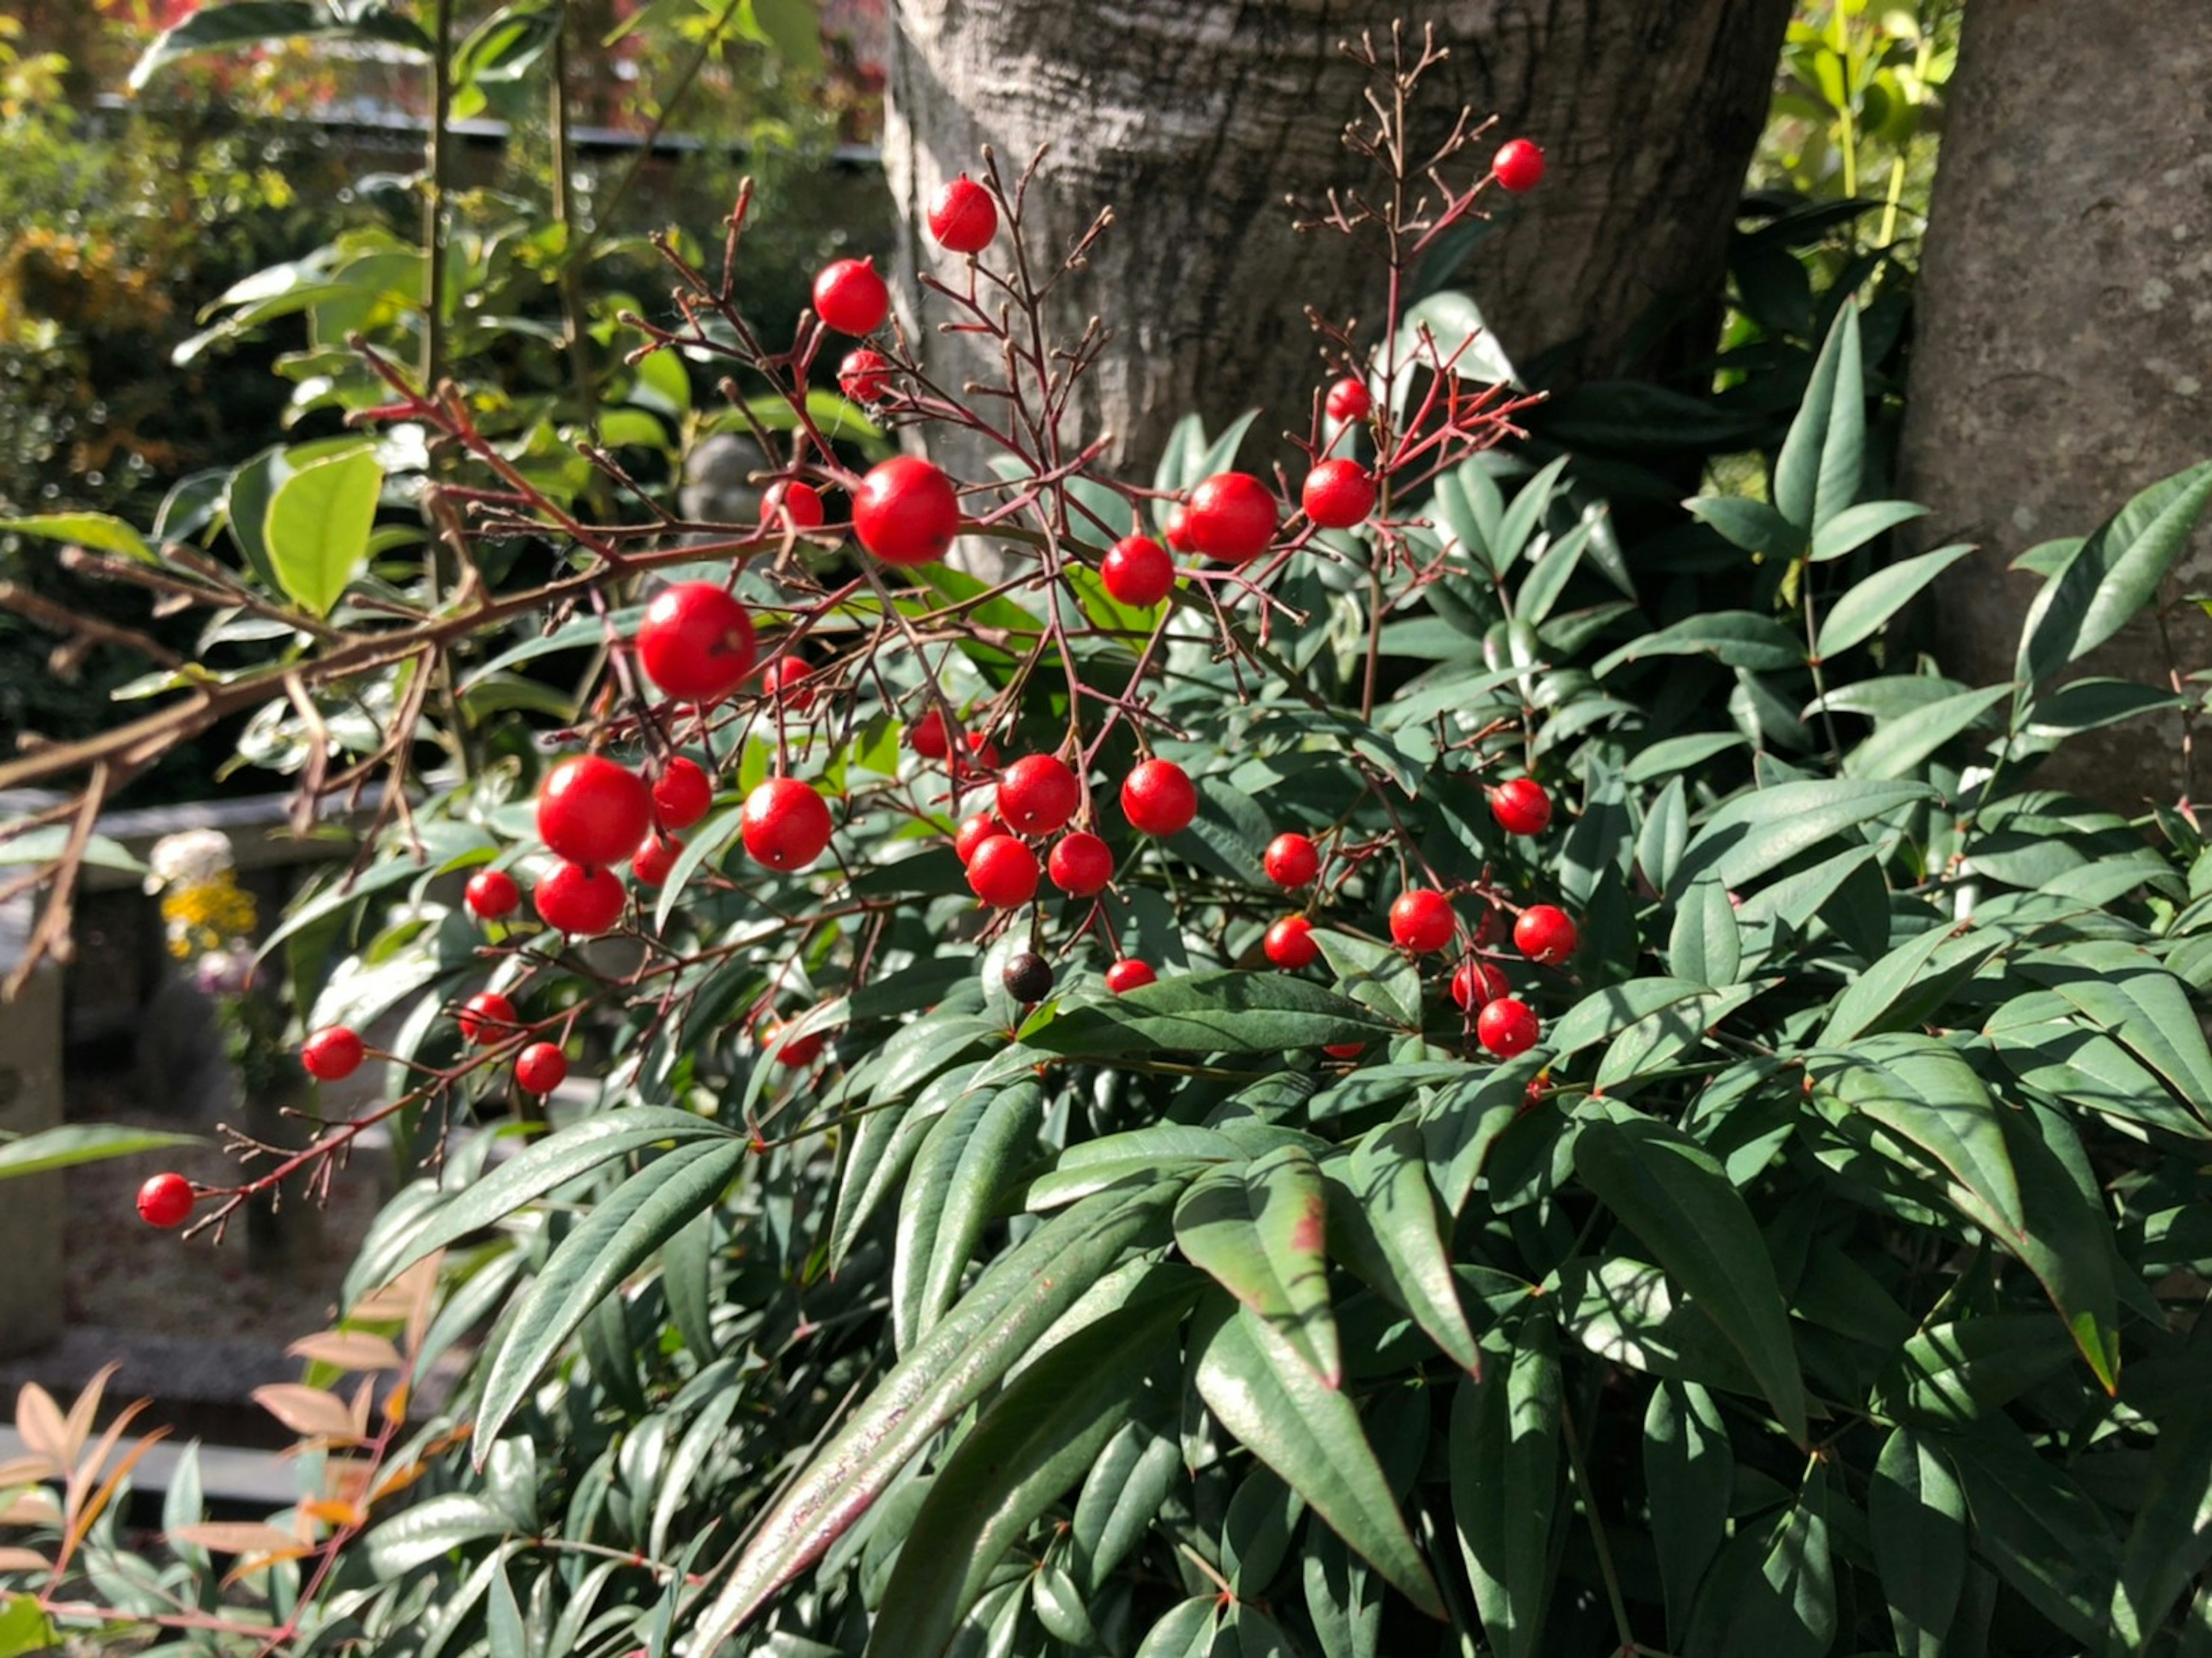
x=2063 y=315
x=1195 y=118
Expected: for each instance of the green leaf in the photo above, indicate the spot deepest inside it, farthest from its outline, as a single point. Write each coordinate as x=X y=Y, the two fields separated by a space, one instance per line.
x=1734 y=638
x=2083 y=705
x=1383 y=1225
x=1505 y=1482
x=1673 y=1195
x=614 y=1240
x=1855 y=526
x=1780 y=1602
x=1890 y=994
x=1899 y=746
x=996 y=1326
x=1920 y=1090
x=1679 y=754
x=2043 y=1533
x=73 y=1143
x=2067 y=1243
x=2171 y=1538
x=1916 y=1517
x=1213 y=1012
x=1706 y=946
x=1689 y=1474
x=317 y=525
x=2114 y=575
x=1613 y=1009
x=98 y=530
x=1122 y=1496
x=1817 y=474
x=1861 y=613
x=1185 y=1632
x=1260 y=1232
x=1374 y=974
x=252 y=22
x=1267 y=1397
x=415 y=1536
x=1952 y=1375
x=1762 y=830
x=1751 y=524
x=959 y=1181
x=2128 y=994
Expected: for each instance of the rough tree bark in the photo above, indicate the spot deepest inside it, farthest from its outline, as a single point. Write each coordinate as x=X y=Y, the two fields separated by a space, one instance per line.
x=1193 y=118
x=2064 y=353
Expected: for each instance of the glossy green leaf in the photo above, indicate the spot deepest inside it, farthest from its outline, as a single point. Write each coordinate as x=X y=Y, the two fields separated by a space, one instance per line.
x=2038 y=1528
x=1861 y=613
x=1613 y=1009
x=1505 y=1483
x=1751 y=524
x=2171 y=1538
x=1706 y=945
x=1734 y=638
x=1916 y=1518
x=2114 y=575
x=1689 y=1475
x=1920 y=1090
x=1762 y=830
x=1122 y=1496
x=317 y=525
x=74 y=1144
x=961 y=1177
x=1780 y=1602
x=1899 y=746
x=1853 y=528
x=1384 y=1224
x=1185 y=1632
x=1818 y=472
x=1262 y=1231
x=2128 y=994
x=1213 y=1012
x=99 y=531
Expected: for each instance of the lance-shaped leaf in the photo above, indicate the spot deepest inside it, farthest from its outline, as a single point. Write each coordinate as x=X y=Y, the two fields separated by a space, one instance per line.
x=1261 y=1232
x=956 y=1187
x=2113 y=576
x=1383 y=1225
x=1922 y=1091
x=1689 y=1470
x=1768 y=828
x=1817 y=475
x=1211 y=1013
x=2127 y=993
x=1917 y=1521
x=1505 y=1484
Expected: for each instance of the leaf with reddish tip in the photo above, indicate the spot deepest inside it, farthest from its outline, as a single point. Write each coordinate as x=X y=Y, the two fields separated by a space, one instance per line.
x=1260 y=1231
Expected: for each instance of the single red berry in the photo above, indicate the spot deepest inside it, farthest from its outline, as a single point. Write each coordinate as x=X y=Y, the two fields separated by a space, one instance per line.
x=540 y=1068
x=1545 y=933
x=785 y=823
x=1506 y=1027
x=865 y=376
x=487 y=1018
x=1080 y=864
x=1158 y=798
x=1038 y=794
x=1291 y=861
x=1518 y=165
x=593 y=811
x=491 y=895
x=165 y=1201
x=906 y=511
x=1138 y=572
x=697 y=641
x=1422 y=921
x=1290 y=943
x=1349 y=400
x=851 y=298
x=1338 y=494
x=973 y=833
x=577 y=900
x=963 y=216
x=1003 y=872
x=1177 y=532
x=1232 y=517
x=331 y=1055
x=1477 y=984
x=785 y=680
x=655 y=859
x=792 y=1053
x=682 y=794
x=1125 y=977
x=790 y=501
x=978 y=758
x=1344 y=1050
x=1521 y=806
x=930 y=737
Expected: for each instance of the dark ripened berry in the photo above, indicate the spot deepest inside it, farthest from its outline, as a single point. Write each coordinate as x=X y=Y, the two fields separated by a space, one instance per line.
x=1422 y=921
x=682 y=794
x=579 y=902
x=973 y=833
x=487 y=1018
x=1545 y=933
x=785 y=823
x=1338 y=494
x=1518 y=165
x=1291 y=861
x=1138 y=572
x=1349 y=400
x=851 y=298
x=332 y=1054
x=906 y=511
x=1290 y=944
x=963 y=216
x=1038 y=794
x=1080 y=864
x=1506 y=1027
x=492 y=896
x=1003 y=872
x=164 y=1200
x=865 y=376
x=540 y=1068
x=655 y=859
x=1129 y=974
x=1477 y=984
x=593 y=811
x=1521 y=806
x=791 y=504
x=1232 y=517
x=1159 y=798
x=695 y=642
x=1028 y=978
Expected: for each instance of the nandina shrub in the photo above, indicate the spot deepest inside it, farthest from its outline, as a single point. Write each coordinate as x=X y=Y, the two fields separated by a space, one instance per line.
x=1815 y=1273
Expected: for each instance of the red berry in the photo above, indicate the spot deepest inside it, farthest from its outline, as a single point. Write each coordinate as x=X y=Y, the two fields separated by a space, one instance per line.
x=682 y=794
x=793 y=1052
x=697 y=641
x=487 y=1017
x=1158 y=798
x=865 y=376
x=592 y=811
x=1422 y=921
x=851 y=297
x=1138 y=572
x=784 y=679
x=963 y=216
x=1125 y=977
x=785 y=823
x=1338 y=494
x=1232 y=517
x=1518 y=165
x=1506 y=1027
x=332 y=1054
x=1348 y=400
x=1543 y=933
x=1003 y=872
x=978 y=757
x=973 y=833
x=655 y=859
x=1477 y=984
x=491 y=895
x=929 y=737
x=540 y=1068
x=1290 y=943
x=1291 y=861
x=164 y=1200
x=798 y=504
x=1080 y=866
x=906 y=511
x=1521 y=806
x=1038 y=794
x=1344 y=1050
x=579 y=902
x=1177 y=532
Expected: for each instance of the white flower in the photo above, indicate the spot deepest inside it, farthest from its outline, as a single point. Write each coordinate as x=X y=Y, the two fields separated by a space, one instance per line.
x=191 y=858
